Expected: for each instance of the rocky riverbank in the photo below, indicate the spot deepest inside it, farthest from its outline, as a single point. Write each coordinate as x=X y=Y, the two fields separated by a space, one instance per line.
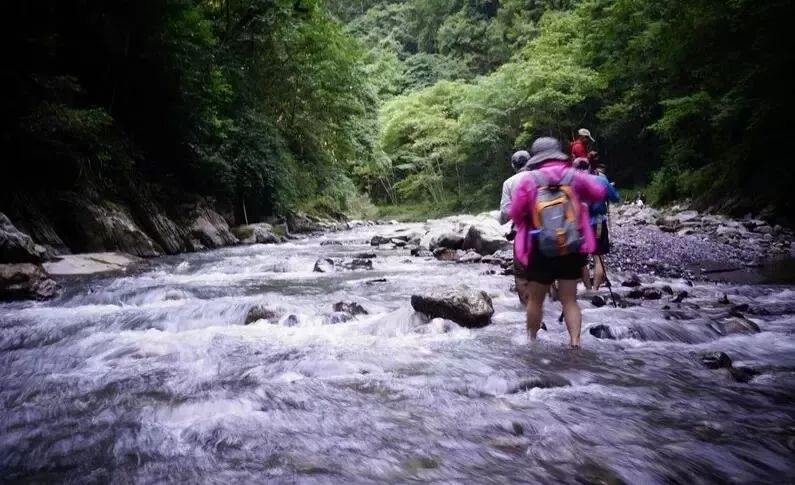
x=35 y=233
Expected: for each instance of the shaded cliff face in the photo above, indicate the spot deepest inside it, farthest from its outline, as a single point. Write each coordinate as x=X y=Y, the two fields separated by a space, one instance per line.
x=69 y=222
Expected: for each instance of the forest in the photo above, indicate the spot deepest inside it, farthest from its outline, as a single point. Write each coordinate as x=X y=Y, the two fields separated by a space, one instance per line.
x=337 y=107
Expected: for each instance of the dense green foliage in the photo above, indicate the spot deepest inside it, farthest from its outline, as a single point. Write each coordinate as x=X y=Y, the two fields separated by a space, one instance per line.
x=688 y=96
x=259 y=102
x=282 y=104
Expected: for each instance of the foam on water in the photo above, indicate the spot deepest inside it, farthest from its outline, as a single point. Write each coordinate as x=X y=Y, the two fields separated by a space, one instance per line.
x=155 y=378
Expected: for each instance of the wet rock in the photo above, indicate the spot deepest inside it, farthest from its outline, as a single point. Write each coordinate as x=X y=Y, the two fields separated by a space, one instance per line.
x=518 y=429
x=444 y=254
x=465 y=306
x=485 y=240
x=358 y=263
x=743 y=374
x=539 y=382
x=366 y=256
x=488 y=272
x=601 y=332
x=420 y=252
x=632 y=281
x=635 y=294
x=375 y=281
x=290 y=321
x=24 y=281
x=350 y=307
x=715 y=360
x=680 y=297
x=259 y=312
x=738 y=310
x=667 y=289
x=469 y=257
x=449 y=240
x=651 y=294
x=398 y=243
x=324 y=265
x=598 y=301
x=207 y=226
x=89 y=263
x=378 y=240
x=331 y=243
x=339 y=317
x=724 y=300
x=736 y=325
x=16 y=246
x=259 y=233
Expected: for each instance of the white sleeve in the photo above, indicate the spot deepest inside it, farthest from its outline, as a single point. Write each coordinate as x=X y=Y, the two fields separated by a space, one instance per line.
x=505 y=203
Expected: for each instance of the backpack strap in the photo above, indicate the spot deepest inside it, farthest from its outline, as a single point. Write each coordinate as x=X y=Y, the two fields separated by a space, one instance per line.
x=568 y=177
x=540 y=178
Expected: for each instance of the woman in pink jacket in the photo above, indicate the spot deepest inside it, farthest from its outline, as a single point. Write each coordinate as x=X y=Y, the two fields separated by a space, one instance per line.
x=541 y=271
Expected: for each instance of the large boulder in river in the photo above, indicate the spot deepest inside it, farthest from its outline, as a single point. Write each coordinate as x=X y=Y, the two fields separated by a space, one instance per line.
x=16 y=246
x=735 y=325
x=465 y=306
x=449 y=240
x=23 y=281
x=207 y=228
x=259 y=233
x=485 y=240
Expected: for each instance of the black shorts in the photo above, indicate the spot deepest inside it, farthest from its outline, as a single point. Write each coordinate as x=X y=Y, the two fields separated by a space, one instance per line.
x=546 y=270
x=602 y=238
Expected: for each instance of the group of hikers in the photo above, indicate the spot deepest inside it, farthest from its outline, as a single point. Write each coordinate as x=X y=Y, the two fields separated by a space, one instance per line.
x=557 y=203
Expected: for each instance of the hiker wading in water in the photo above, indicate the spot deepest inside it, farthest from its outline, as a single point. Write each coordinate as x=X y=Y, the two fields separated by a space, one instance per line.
x=520 y=166
x=553 y=231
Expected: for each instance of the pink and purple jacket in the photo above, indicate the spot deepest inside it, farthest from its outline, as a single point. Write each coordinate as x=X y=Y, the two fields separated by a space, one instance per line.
x=587 y=189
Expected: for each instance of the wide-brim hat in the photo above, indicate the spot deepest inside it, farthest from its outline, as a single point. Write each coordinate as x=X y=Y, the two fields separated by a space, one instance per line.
x=545 y=148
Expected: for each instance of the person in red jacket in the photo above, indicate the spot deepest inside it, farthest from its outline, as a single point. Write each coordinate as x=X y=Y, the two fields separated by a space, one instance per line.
x=579 y=146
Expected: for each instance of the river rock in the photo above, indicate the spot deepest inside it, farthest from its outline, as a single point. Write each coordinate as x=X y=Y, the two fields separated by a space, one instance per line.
x=260 y=233
x=22 y=281
x=331 y=243
x=680 y=297
x=339 y=317
x=631 y=281
x=16 y=246
x=598 y=301
x=449 y=240
x=350 y=307
x=398 y=243
x=421 y=252
x=743 y=374
x=445 y=254
x=357 y=263
x=259 y=312
x=715 y=360
x=469 y=257
x=735 y=325
x=378 y=240
x=485 y=240
x=465 y=306
x=651 y=294
x=601 y=331
x=324 y=265
x=89 y=263
x=366 y=256
x=207 y=228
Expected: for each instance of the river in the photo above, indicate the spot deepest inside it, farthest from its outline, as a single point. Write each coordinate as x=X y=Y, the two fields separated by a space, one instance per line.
x=153 y=378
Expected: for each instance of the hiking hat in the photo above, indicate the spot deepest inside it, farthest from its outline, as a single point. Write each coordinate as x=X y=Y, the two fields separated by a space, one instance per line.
x=519 y=159
x=546 y=148
x=584 y=132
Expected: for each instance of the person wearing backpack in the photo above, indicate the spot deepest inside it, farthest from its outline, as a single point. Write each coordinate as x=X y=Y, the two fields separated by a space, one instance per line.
x=600 y=226
x=519 y=164
x=553 y=231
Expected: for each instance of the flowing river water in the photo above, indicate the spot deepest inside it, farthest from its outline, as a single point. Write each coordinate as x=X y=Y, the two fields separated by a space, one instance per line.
x=154 y=378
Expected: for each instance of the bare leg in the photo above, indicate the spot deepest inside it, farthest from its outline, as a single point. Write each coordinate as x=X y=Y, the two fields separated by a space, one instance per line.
x=598 y=271
x=535 y=305
x=586 y=277
x=571 y=310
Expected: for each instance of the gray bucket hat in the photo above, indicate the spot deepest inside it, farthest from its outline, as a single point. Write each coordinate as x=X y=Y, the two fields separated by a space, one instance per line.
x=545 y=148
